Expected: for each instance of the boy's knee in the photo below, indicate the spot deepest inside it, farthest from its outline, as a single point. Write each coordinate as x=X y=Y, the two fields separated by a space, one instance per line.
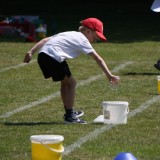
x=71 y=82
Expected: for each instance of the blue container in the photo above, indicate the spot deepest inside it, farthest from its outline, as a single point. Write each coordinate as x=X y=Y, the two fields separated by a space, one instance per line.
x=125 y=156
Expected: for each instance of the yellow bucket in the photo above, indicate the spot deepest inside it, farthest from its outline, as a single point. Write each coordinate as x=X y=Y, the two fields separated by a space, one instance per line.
x=158 y=78
x=47 y=147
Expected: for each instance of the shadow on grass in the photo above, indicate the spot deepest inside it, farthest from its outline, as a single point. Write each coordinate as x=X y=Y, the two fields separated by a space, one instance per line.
x=30 y=123
x=144 y=73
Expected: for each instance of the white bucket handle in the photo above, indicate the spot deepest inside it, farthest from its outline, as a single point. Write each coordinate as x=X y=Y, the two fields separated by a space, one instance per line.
x=127 y=110
x=54 y=150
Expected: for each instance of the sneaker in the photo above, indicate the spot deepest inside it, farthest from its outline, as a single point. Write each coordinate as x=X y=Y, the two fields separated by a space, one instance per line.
x=157 y=65
x=71 y=119
x=78 y=113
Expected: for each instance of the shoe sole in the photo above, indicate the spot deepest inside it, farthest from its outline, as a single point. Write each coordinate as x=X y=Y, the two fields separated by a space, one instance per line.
x=66 y=122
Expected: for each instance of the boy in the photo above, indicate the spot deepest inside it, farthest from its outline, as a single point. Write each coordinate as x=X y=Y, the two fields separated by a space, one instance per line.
x=55 y=50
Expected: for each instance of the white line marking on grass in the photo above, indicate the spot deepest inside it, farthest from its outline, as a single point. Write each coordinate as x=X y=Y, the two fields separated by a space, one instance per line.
x=144 y=106
x=100 y=130
x=35 y=103
x=122 y=66
x=16 y=66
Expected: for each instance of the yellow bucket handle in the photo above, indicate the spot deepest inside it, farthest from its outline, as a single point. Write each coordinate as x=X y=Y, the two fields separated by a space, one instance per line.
x=54 y=150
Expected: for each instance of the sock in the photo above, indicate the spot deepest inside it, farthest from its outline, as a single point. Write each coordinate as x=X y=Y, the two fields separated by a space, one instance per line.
x=69 y=111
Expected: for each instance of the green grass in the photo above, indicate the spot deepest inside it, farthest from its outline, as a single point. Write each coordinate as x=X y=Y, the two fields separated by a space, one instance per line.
x=24 y=85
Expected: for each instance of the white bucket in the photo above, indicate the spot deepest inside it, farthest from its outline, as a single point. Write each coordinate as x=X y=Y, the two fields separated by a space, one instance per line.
x=47 y=147
x=115 y=112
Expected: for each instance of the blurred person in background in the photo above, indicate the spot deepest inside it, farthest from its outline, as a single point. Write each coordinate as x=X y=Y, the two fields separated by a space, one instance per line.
x=156 y=8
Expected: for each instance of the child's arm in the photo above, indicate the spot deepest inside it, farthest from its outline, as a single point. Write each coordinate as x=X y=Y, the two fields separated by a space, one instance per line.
x=112 y=79
x=35 y=48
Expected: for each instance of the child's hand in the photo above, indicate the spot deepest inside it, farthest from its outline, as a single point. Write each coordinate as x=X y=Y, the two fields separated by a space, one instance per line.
x=27 y=58
x=114 y=80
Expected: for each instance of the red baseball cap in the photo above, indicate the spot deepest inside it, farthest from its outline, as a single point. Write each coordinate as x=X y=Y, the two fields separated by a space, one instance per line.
x=95 y=24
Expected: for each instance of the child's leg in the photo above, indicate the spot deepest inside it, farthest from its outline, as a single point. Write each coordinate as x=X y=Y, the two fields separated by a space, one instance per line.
x=68 y=86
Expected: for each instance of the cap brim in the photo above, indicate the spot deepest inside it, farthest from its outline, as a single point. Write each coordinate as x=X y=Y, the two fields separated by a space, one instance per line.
x=101 y=36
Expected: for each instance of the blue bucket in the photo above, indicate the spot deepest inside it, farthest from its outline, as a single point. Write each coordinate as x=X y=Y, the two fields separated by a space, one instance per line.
x=125 y=156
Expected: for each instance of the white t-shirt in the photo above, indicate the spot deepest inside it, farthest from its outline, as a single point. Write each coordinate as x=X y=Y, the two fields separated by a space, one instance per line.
x=67 y=45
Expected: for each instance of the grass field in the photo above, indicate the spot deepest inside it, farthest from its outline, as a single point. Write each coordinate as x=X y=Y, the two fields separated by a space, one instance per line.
x=31 y=105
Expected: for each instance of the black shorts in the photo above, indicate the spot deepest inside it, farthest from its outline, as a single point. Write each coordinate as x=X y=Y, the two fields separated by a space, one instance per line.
x=52 y=68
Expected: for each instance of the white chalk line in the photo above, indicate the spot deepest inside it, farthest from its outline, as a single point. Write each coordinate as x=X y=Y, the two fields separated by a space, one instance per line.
x=16 y=66
x=92 y=135
x=84 y=82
